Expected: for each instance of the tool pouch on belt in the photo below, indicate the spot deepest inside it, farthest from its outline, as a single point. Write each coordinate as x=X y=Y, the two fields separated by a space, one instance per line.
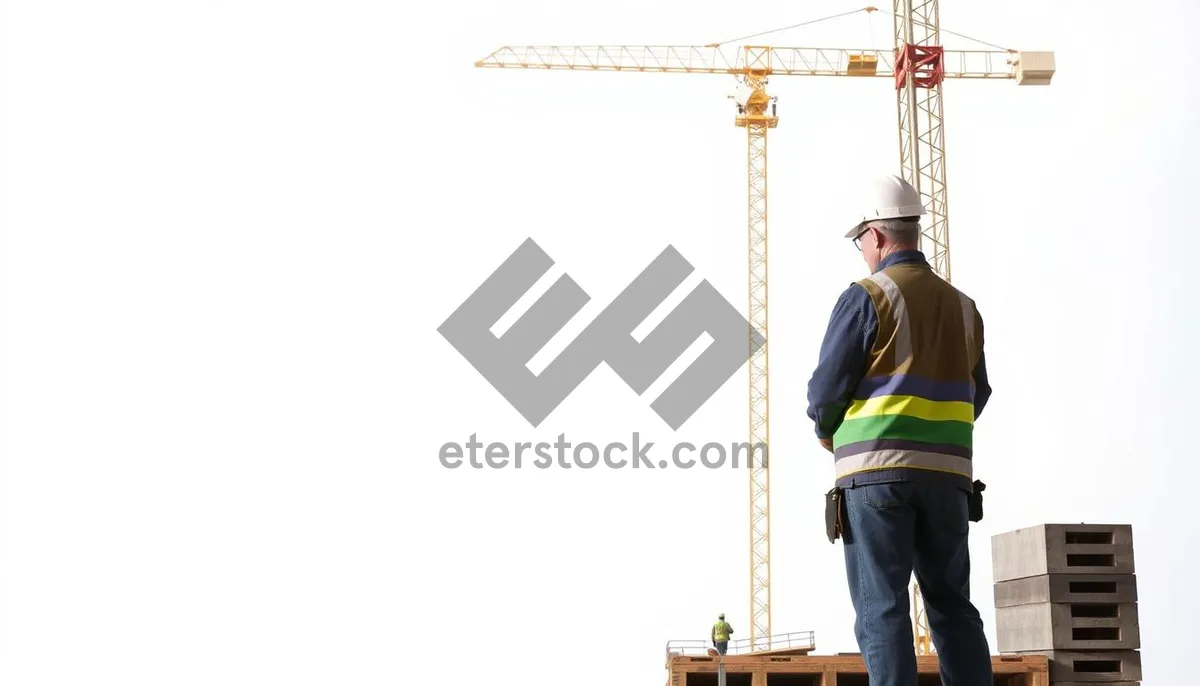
x=834 y=506
x=975 y=502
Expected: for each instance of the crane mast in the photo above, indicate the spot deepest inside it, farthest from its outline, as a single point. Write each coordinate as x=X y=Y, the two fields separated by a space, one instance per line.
x=916 y=65
x=752 y=115
x=920 y=72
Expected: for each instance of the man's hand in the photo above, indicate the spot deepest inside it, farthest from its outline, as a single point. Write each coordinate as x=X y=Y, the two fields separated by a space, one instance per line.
x=826 y=443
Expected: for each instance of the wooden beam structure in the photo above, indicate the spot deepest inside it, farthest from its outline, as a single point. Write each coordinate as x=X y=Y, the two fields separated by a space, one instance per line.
x=832 y=670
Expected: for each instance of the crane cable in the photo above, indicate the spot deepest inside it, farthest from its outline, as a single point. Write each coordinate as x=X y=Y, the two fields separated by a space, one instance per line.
x=872 y=26
x=955 y=33
x=990 y=45
x=794 y=26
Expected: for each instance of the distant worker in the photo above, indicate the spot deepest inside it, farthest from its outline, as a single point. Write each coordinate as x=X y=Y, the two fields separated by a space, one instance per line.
x=900 y=382
x=721 y=632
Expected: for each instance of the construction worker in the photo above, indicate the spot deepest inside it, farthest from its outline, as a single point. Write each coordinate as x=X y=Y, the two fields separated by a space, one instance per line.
x=721 y=632
x=900 y=381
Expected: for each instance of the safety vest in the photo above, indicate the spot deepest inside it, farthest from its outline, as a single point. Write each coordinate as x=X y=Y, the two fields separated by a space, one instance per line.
x=913 y=415
x=721 y=631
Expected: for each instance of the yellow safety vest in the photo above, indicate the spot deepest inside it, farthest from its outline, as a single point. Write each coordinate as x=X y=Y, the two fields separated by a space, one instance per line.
x=721 y=631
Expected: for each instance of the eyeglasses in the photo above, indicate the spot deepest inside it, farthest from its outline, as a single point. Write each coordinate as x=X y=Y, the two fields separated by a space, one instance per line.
x=858 y=238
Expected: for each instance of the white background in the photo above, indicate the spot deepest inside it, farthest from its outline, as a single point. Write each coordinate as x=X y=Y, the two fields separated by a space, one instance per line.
x=232 y=229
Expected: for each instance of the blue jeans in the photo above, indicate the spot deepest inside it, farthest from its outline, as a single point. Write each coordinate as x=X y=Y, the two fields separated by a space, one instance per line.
x=892 y=531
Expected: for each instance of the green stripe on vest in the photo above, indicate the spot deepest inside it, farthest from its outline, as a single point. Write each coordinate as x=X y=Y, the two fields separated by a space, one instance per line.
x=903 y=427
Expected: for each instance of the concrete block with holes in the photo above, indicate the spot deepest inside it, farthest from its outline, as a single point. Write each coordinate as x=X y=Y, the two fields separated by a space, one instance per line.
x=1066 y=588
x=1067 y=626
x=1093 y=667
x=1062 y=549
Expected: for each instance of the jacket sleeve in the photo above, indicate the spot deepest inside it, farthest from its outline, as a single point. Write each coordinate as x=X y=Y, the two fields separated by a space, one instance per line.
x=843 y=359
x=983 y=390
x=983 y=387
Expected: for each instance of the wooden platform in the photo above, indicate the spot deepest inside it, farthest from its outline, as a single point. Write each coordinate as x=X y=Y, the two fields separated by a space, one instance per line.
x=833 y=670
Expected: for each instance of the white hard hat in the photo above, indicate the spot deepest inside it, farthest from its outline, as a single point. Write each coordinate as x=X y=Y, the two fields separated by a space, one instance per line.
x=890 y=197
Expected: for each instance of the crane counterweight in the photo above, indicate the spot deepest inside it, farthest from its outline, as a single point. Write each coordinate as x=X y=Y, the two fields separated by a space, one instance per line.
x=1034 y=68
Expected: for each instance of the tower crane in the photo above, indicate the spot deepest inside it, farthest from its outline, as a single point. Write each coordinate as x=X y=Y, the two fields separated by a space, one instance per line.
x=916 y=66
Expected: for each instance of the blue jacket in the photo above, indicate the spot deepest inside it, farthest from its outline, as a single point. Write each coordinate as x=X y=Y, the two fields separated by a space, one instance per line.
x=843 y=361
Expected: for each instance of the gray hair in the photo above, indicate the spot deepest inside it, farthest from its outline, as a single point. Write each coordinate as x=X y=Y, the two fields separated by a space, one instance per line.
x=904 y=231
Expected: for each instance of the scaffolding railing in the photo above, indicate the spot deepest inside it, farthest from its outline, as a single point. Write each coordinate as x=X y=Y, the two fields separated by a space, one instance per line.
x=796 y=640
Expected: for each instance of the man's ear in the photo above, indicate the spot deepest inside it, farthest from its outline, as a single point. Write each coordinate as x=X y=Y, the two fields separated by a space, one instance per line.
x=875 y=238
x=879 y=240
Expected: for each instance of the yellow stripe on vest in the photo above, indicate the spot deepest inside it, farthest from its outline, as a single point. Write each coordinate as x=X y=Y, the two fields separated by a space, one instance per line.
x=912 y=406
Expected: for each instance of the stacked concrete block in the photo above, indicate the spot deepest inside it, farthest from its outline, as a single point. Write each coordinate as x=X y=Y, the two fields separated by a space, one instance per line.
x=1068 y=591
